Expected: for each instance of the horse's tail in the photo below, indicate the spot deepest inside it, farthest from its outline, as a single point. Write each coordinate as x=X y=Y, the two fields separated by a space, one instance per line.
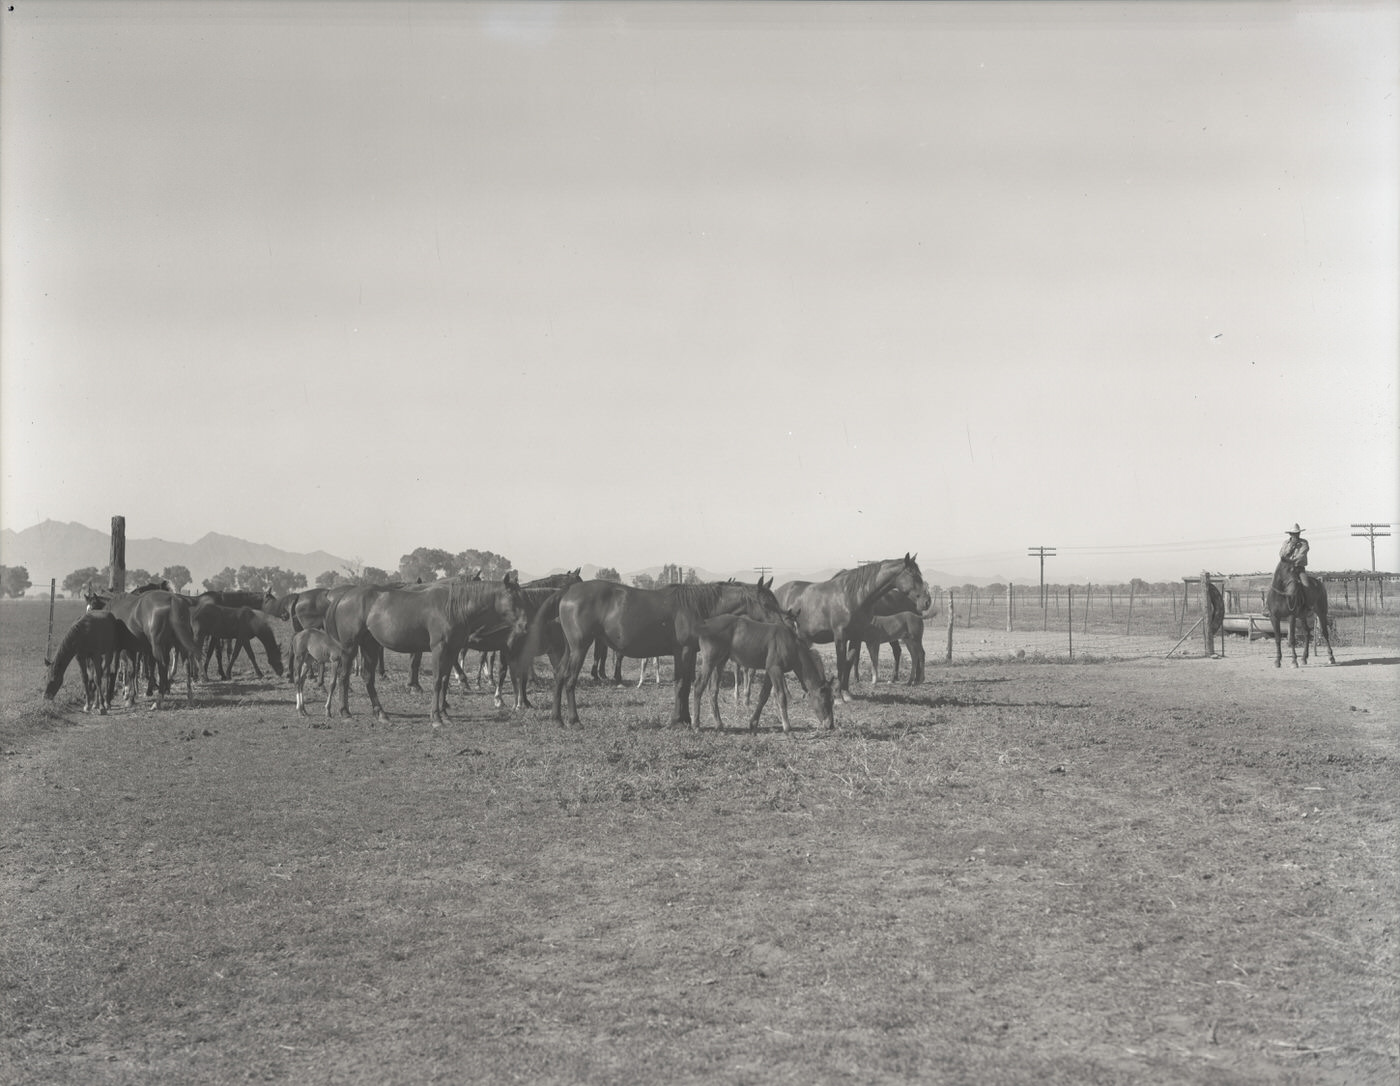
x=182 y=628
x=546 y=614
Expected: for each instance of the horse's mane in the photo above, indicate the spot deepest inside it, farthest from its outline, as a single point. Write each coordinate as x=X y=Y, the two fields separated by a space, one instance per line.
x=863 y=580
x=703 y=597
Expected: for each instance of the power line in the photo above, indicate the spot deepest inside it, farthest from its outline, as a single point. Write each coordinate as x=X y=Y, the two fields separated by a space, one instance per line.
x=1042 y=553
x=1370 y=531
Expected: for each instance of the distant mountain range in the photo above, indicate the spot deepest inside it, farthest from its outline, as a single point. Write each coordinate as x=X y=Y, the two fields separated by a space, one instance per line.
x=54 y=549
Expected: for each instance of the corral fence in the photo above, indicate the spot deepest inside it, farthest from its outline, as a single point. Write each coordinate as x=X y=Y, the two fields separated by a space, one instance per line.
x=1122 y=621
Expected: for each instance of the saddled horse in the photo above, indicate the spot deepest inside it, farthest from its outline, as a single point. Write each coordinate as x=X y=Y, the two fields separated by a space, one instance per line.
x=439 y=618
x=308 y=647
x=160 y=622
x=830 y=611
x=904 y=627
x=1306 y=602
x=214 y=624
x=96 y=640
x=768 y=646
x=645 y=622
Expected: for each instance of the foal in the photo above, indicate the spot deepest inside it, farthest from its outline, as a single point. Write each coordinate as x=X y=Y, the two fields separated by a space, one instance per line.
x=770 y=646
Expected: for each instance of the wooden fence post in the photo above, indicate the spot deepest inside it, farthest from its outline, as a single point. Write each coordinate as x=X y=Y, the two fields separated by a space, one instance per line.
x=1010 y=591
x=1132 y=594
x=1069 y=610
x=1205 y=614
x=118 y=555
x=48 y=645
x=948 y=657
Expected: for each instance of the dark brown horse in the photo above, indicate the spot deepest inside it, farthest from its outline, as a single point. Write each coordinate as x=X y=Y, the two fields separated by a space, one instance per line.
x=830 y=611
x=904 y=627
x=771 y=647
x=161 y=624
x=439 y=618
x=96 y=640
x=645 y=622
x=1302 y=605
x=889 y=605
x=214 y=624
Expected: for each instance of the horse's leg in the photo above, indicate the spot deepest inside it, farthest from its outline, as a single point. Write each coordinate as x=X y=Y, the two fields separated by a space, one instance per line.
x=872 y=649
x=415 y=663
x=245 y=645
x=897 y=651
x=916 y=661
x=1293 y=637
x=843 y=670
x=443 y=658
x=617 y=669
x=565 y=682
x=775 y=671
x=371 y=661
x=335 y=678
x=763 y=692
x=1326 y=637
x=703 y=681
x=299 y=670
x=685 y=676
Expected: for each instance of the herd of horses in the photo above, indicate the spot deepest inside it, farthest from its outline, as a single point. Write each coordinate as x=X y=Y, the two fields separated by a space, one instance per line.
x=760 y=629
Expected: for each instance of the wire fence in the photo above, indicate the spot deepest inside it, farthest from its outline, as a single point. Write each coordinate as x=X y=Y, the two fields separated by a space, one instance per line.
x=1122 y=621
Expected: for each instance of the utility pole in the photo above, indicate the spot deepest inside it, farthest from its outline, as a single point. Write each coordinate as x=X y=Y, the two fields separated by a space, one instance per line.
x=761 y=570
x=1370 y=531
x=1042 y=553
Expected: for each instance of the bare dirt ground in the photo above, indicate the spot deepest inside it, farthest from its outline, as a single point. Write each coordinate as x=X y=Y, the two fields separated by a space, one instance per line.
x=1147 y=870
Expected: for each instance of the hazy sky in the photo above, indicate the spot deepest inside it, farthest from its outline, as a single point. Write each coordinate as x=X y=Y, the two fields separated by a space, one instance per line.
x=724 y=284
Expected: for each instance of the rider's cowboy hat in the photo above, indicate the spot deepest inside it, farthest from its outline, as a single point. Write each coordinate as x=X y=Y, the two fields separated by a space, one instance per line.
x=1295 y=530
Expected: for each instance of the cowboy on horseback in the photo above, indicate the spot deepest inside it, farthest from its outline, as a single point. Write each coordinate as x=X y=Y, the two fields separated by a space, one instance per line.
x=1294 y=557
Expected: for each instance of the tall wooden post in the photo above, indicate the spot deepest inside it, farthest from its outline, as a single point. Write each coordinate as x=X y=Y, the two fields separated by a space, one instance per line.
x=1010 y=591
x=118 y=555
x=1132 y=595
x=48 y=645
x=948 y=656
x=1069 y=610
x=1205 y=613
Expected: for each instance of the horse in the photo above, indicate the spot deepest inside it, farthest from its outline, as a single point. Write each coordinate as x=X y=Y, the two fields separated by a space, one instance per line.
x=160 y=622
x=644 y=622
x=771 y=646
x=316 y=646
x=95 y=641
x=891 y=603
x=829 y=611
x=439 y=618
x=1308 y=600
x=214 y=624
x=906 y=627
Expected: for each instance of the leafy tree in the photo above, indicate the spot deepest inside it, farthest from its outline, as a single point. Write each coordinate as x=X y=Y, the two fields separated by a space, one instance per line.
x=77 y=581
x=178 y=576
x=226 y=580
x=607 y=573
x=281 y=581
x=493 y=566
x=644 y=580
x=135 y=577
x=329 y=579
x=373 y=575
x=251 y=579
x=14 y=580
x=428 y=563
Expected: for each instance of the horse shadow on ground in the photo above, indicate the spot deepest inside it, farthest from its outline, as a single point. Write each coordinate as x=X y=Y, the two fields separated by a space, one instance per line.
x=1384 y=660
x=939 y=701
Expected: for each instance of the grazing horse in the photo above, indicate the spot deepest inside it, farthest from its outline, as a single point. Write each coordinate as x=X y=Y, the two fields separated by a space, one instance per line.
x=160 y=623
x=1307 y=601
x=214 y=624
x=771 y=647
x=832 y=610
x=95 y=641
x=308 y=647
x=440 y=618
x=644 y=622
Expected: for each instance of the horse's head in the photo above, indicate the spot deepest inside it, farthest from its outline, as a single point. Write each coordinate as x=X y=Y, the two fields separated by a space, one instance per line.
x=95 y=602
x=911 y=582
x=763 y=606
